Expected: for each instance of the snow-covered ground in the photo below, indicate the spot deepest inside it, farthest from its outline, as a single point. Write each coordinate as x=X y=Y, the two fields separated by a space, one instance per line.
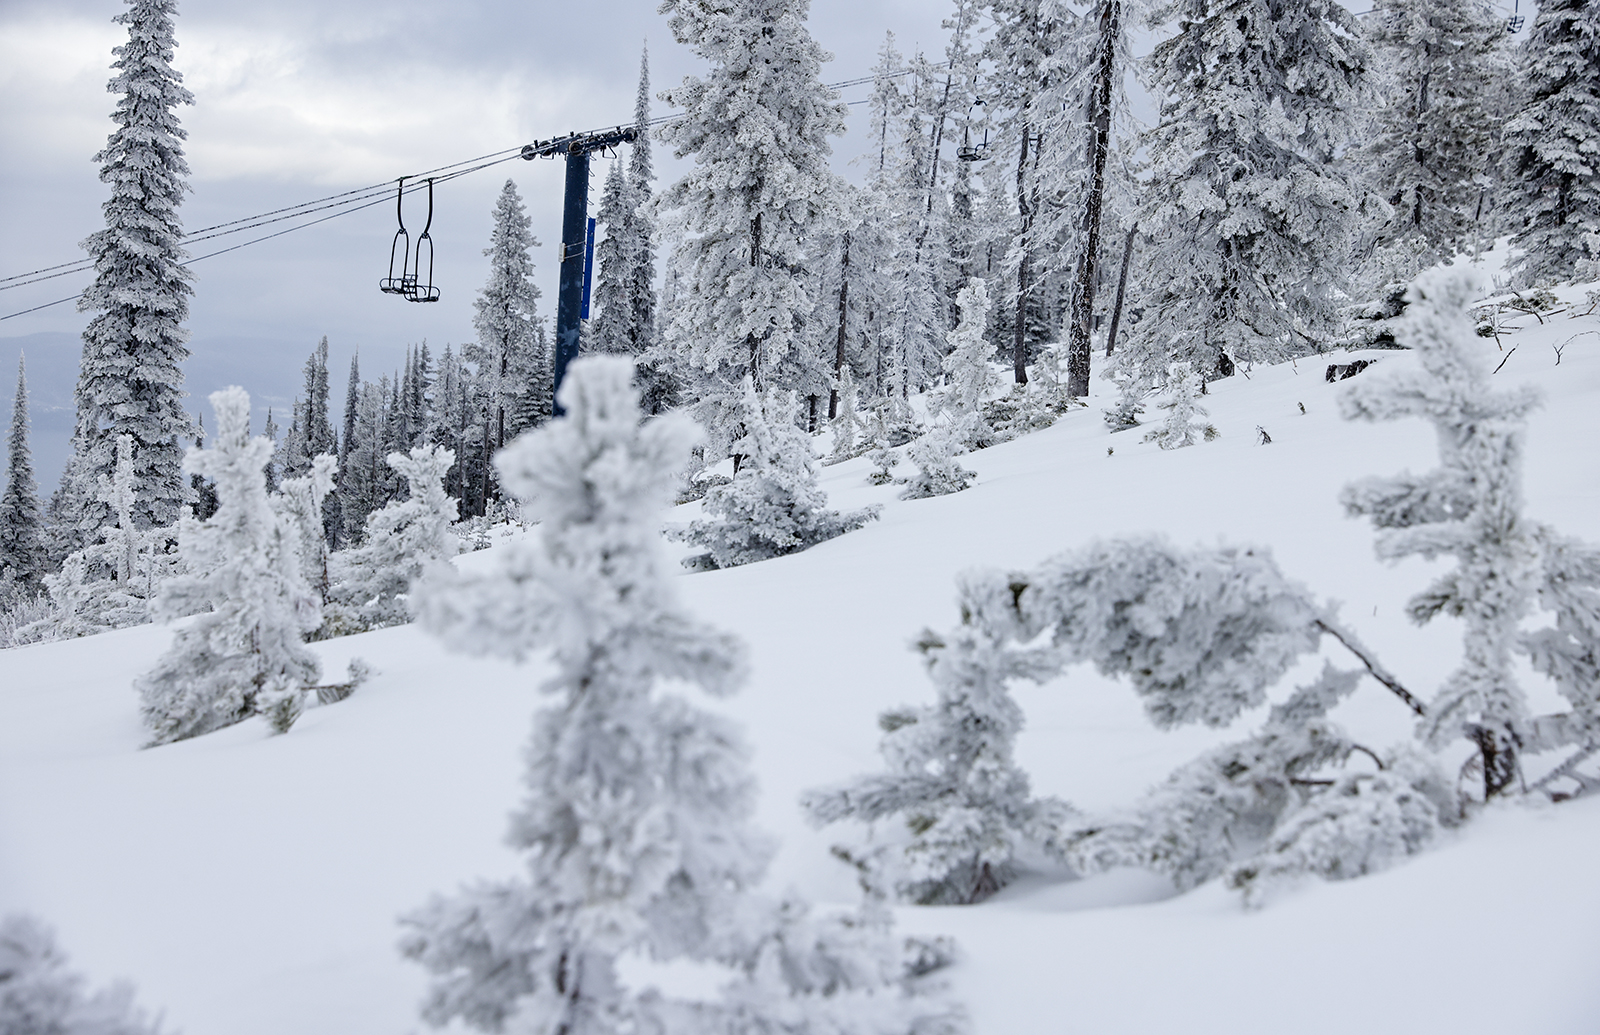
x=250 y=883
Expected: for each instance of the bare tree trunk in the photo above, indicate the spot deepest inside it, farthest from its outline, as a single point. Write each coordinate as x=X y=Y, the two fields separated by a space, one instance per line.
x=1081 y=321
x=1122 y=288
x=754 y=340
x=1019 y=345
x=838 y=351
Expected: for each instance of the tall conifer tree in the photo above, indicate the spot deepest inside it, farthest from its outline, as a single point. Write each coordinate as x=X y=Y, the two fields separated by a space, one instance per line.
x=1436 y=127
x=1255 y=217
x=625 y=293
x=22 y=553
x=750 y=216
x=511 y=352
x=130 y=381
x=1554 y=146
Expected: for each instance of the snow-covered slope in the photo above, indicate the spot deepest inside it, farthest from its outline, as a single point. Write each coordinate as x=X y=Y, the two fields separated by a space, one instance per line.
x=250 y=883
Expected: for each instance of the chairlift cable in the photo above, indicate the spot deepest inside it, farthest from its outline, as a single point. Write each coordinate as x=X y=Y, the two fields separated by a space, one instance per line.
x=349 y=200
x=344 y=202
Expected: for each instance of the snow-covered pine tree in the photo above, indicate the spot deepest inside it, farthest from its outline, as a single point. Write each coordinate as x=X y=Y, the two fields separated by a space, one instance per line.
x=348 y=420
x=773 y=506
x=41 y=995
x=896 y=269
x=1184 y=424
x=299 y=506
x=110 y=583
x=404 y=541
x=1029 y=42
x=1436 y=127
x=748 y=220
x=361 y=478
x=1365 y=822
x=606 y=332
x=625 y=291
x=121 y=540
x=130 y=381
x=1254 y=217
x=311 y=433
x=952 y=777
x=1553 y=147
x=1469 y=508
x=938 y=471
x=247 y=654
x=22 y=552
x=511 y=352
x=273 y=470
x=1202 y=636
x=967 y=371
x=637 y=821
x=844 y=424
x=202 y=494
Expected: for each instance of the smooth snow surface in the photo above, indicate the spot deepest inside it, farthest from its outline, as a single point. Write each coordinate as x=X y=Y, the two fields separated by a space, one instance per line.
x=249 y=883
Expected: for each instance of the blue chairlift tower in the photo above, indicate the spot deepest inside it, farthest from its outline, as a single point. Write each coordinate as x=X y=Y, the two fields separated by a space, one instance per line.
x=576 y=235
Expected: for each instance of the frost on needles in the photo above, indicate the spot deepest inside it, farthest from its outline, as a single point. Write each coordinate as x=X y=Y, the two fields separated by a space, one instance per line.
x=963 y=806
x=40 y=995
x=404 y=541
x=246 y=653
x=773 y=505
x=1469 y=508
x=636 y=822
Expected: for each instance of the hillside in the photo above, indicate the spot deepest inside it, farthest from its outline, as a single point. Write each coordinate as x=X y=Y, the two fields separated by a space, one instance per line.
x=250 y=883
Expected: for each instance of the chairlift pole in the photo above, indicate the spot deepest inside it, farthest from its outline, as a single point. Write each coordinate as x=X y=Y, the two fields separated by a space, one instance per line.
x=574 y=235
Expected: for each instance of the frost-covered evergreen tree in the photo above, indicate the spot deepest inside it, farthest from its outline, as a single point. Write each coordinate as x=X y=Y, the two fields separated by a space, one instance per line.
x=1185 y=423
x=1254 y=217
x=938 y=471
x=41 y=995
x=1469 y=508
x=962 y=804
x=511 y=352
x=130 y=380
x=1202 y=636
x=967 y=371
x=361 y=469
x=894 y=270
x=110 y=583
x=300 y=505
x=247 y=654
x=1553 y=147
x=347 y=437
x=311 y=432
x=844 y=424
x=1029 y=44
x=607 y=331
x=636 y=823
x=22 y=552
x=273 y=471
x=1365 y=822
x=748 y=220
x=625 y=291
x=122 y=540
x=404 y=541
x=773 y=506
x=1436 y=128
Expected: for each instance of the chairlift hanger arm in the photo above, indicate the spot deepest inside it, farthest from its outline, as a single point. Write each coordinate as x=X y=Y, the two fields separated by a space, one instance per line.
x=580 y=143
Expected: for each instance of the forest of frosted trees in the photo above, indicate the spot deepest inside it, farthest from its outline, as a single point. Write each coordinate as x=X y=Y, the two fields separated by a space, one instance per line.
x=1305 y=179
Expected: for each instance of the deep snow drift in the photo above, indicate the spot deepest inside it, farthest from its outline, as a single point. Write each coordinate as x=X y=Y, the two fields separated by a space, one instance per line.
x=250 y=883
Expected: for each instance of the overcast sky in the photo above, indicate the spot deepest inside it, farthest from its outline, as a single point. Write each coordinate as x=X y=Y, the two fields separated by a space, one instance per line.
x=296 y=100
